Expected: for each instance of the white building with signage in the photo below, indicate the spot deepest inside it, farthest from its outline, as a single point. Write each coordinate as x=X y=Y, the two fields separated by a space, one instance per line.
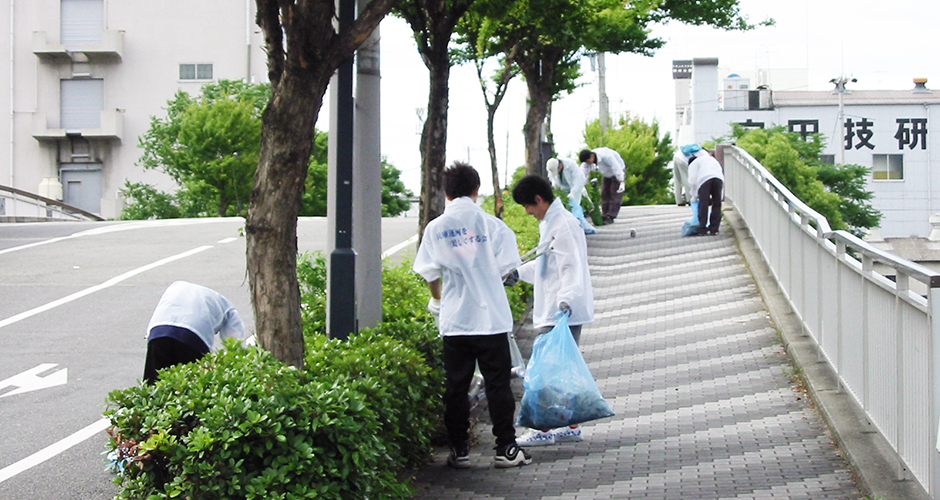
x=887 y=130
x=85 y=76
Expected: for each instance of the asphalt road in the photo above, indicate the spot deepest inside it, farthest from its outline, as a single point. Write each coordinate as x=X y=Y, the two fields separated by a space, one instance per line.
x=76 y=298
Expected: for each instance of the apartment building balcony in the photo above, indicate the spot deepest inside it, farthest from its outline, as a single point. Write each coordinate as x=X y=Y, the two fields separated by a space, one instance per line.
x=109 y=127
x=109 y=49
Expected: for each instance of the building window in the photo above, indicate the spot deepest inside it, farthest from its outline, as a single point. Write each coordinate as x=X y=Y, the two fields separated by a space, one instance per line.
x=195 y=71
x=81 y=102
x=888 y=167
x=827 y=159
x=81 y=23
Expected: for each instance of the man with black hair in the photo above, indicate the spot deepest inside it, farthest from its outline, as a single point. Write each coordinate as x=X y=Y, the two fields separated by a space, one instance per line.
x=464 y=256
x=561 y=277
x=610 y=164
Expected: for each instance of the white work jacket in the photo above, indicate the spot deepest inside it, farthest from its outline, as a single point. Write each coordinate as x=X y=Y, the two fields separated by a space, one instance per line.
x=609 y=163
x=702 y=168
x=198 y=309
x=470 y=251
x=561 y=273
x=572 y=180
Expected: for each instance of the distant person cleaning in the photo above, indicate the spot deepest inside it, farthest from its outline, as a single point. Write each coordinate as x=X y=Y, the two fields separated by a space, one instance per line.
x=183 y=326
x=611 y=166
x=567 y=175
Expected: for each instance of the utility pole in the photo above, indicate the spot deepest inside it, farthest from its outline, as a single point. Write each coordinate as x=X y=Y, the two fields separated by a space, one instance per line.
x=341 y=297
x=602 y=90
x=840 y=89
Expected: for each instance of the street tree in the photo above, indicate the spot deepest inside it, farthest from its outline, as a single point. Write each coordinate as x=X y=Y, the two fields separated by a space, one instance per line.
x=837 y=192
x=209 y=143
x=548 y=38
x=479 y=45
x=304 y=49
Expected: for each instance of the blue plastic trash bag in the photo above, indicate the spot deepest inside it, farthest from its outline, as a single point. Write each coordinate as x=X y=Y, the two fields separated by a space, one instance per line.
x=691 y=226
x=559 y=387
x=578 y=212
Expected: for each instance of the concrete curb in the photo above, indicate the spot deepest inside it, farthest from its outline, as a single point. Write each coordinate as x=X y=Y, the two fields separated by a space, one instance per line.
x=873 y=461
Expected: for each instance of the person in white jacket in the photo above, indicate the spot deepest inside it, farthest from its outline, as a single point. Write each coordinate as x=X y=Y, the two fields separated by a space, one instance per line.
x=464 y=255
x=707 y=179
x=567 y=175
x=680 y=174
x=611 y=166
x=561 y=277
x=183 y=326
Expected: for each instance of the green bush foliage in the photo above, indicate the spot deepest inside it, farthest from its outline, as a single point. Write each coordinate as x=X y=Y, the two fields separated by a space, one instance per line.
x=837 y=192
x=241 y=425
x=645 y=154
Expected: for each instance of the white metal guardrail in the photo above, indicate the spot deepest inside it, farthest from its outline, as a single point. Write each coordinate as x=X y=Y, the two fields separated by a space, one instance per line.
x=881 y=336
x=18 y=205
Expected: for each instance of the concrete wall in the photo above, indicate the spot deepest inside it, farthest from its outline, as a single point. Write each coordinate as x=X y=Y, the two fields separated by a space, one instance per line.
x=155 y=37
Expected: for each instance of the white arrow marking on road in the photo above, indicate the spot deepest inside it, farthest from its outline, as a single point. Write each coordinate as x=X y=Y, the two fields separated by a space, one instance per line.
x=111 y=282
x=31 y=381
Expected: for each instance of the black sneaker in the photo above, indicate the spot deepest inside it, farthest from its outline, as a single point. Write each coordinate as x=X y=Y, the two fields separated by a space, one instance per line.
x=511 y=455
x=459 y=458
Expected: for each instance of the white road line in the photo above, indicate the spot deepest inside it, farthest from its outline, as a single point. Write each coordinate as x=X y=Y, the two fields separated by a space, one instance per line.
x=227 y=240
x=53 y=449
x=396 y=248
x=107 y=284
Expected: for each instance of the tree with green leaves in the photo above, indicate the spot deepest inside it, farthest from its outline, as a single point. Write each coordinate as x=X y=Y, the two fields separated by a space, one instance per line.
x=433 y=23
x=548 y=37
x=645 y=154
x=479 y=45
x=837 y=192
x=305 y=48
x=209 y=143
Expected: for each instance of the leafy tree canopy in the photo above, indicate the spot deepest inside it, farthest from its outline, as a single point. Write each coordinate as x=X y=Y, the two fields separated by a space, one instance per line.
x=838 y=192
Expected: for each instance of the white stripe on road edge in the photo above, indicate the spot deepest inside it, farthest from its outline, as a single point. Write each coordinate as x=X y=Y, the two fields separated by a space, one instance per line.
x=53 y=449
x=227 y=240
x=107 y=284
x=396 y=248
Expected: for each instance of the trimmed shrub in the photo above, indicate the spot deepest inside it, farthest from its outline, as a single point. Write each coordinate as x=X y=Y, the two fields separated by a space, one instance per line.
x=240 y=424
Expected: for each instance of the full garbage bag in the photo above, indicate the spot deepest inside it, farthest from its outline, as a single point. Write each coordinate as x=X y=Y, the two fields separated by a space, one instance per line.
x=691 y=226
x=559 y=387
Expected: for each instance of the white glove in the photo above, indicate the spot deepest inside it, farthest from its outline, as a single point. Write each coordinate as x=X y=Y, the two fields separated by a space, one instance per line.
x=620 y=188
x=434 y=307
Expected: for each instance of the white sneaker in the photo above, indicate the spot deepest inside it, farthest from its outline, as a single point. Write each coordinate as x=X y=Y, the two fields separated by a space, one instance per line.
x=567 y=434
x=536 y=437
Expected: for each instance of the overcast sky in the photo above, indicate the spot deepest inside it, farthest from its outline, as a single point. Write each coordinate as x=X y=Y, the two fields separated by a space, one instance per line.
x=882 y=44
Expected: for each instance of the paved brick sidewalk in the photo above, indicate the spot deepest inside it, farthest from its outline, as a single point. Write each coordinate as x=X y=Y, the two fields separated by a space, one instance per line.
x=684 y=350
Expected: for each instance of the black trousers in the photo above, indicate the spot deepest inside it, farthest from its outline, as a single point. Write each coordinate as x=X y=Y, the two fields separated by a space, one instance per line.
x=461 y=355
x=709 y=196
x=164 y=352
x=610 y=198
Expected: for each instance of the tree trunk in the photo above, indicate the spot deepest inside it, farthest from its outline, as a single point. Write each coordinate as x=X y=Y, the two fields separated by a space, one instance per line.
x=434 y=137
x=494 y=169
x=539 y=74
x=271 y=226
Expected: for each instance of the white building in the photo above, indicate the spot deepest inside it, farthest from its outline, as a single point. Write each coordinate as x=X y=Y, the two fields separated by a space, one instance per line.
x=85 y=76
x=887 y=130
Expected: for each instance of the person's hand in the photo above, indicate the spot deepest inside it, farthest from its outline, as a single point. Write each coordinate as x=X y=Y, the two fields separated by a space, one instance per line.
x=434 y=307
x=621 y=187
x=512 y=278
x=565 y=308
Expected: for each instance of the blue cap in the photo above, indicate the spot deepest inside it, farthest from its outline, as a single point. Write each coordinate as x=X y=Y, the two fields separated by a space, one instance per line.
x=690 y=149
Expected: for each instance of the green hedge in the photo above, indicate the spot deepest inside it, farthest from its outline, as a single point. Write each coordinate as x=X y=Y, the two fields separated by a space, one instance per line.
x=239 y=424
